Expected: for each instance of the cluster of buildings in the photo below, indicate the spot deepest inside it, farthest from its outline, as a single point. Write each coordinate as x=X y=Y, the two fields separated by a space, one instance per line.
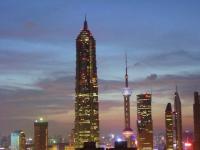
x=87 y=111
x=40 y=141
x=86 y=136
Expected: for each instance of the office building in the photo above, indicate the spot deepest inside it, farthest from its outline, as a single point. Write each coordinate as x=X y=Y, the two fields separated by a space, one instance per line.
x=40 y=134
x=196 y=112
x=18 y=140
x=144 y=122
x=169 y=127
x=86 y=98
x=177 y=122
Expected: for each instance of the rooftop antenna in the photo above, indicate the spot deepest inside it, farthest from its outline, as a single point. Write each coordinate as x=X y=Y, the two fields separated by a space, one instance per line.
x=85 y=23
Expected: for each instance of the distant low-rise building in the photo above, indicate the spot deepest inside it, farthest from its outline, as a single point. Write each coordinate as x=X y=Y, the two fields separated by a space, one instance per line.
x=18 y=140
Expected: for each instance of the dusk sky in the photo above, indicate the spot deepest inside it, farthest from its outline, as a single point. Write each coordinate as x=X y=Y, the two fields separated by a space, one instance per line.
x=37 y=59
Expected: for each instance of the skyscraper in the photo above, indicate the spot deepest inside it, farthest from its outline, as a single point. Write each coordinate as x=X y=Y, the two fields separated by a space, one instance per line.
x=144 y=122
x=18 y=140
x=177 y=121
x=169 y=127
x=86 y=101
x=127 y=132
x=40 y=134
x=196 y=111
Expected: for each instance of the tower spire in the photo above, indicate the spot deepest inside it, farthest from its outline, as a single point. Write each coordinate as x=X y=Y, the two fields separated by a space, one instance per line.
x=126 y=75
x=176 y=88
x=127 y=132
x=85 y=27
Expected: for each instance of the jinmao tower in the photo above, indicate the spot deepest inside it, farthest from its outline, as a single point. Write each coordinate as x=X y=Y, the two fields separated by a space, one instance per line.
x=196 y=111
x=144 y=122
x=178 y=121
x=127 y=132
x=169 y=127
x=86 y=98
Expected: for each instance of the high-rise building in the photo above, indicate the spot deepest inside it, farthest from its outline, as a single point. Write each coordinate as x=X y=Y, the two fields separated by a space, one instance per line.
x=86 y=100
x=127 y=132
x=40 y=134
x=18 y=140
x=177 y=121
x=71 y=138
x=196 y=111
x=144 y=122
x=169 y=127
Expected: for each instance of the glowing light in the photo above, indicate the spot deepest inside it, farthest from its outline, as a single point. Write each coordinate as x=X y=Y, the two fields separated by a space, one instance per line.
x=174 y=145
x=112 y=136
x=187 y=144
x=147 y=95
x=126 y=91
x=119 y=139
x=162 y=138
x=54 y=141
x=136 y=142
x=127 y=133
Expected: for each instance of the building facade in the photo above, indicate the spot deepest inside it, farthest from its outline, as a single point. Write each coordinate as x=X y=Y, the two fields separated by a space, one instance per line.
x=18 y=140
x=144 y=122
x=40 y=134
x=86 y=98
x=169 y=127
x=127 y=132
x=196 y=112
x=177 y=122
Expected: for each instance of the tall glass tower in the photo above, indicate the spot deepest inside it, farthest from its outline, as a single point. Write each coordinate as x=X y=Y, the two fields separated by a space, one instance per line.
x=127 y=132
x=144 y=122
x=86 y=98
x=196 y=111
x=169 y=127
x=178 y=121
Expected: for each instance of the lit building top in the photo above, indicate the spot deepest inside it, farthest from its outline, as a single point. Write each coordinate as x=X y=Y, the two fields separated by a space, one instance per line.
x=168 y=108
x=40 y=120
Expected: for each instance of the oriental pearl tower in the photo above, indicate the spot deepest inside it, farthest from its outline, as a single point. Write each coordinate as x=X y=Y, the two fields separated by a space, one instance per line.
x=127 y=132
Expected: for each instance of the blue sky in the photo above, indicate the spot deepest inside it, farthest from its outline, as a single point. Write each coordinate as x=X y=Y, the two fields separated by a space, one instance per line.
x=37 y=58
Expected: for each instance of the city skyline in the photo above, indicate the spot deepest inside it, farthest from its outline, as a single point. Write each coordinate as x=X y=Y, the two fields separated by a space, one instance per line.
x=37 y=55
